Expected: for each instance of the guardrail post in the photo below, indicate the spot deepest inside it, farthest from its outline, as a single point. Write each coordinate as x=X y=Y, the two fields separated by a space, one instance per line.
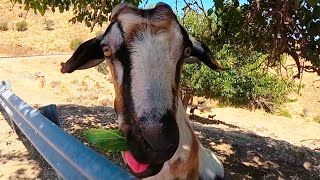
x=50 y=112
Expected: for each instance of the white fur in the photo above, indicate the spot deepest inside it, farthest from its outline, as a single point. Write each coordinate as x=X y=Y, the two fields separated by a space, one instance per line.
x=154 y=61
x=210 y=165
x=152 y=74
x=118 y=71
x=120 y=119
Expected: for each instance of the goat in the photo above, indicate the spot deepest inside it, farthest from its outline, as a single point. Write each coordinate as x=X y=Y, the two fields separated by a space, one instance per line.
x=145 y=51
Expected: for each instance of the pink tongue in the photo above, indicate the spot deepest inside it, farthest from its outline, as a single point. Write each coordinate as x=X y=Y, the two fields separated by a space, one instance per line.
x=134 y=164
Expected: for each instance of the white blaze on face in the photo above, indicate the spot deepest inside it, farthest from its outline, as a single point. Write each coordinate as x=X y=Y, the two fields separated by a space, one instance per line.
x=154 y=58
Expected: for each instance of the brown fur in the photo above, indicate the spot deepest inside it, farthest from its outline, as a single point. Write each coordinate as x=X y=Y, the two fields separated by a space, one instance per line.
x=163 y=13
x=118 y=102
x=124 y=10
x=155 y=28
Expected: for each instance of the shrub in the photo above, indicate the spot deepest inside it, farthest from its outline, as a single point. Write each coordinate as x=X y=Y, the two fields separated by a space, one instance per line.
x=317 y=119
x=75 y=43
x=102 y=68
x=4 y=26
x=49 y=25
x=285 y=113
x=242 y=83
x=22 y=25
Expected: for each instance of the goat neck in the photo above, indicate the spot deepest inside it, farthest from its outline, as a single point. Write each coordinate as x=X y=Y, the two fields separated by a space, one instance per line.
x=191 y=156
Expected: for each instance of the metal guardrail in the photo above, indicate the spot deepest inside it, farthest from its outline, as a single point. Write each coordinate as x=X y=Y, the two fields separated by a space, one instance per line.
x=70 y=158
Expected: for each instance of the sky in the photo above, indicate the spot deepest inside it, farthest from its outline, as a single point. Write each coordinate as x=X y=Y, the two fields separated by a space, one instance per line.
x=206 y=3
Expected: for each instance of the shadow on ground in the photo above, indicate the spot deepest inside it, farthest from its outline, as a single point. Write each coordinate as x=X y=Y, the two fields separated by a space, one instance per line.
x=45 y=170
x=245 y=155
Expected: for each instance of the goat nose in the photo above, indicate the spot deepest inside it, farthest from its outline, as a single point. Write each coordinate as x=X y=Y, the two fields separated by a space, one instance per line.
x=162 y=134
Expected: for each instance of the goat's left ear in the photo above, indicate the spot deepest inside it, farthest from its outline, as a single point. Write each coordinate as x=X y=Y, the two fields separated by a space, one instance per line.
x=87 y=55
x=203 y=53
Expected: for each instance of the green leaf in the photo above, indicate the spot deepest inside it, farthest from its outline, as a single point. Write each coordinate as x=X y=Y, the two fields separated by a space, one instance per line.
x=210 y=11
x=218 y=4
x=111 y=140
x=41 y=10
x=116 y=146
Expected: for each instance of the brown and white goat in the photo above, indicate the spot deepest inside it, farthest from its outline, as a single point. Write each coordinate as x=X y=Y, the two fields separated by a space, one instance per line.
x=145 y=50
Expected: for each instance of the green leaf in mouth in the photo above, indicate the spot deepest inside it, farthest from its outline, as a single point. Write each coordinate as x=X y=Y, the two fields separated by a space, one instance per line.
x=111 y=140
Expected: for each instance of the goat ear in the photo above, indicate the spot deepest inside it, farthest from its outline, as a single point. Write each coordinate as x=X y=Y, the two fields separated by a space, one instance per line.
x=203 y=53
x=87 y=55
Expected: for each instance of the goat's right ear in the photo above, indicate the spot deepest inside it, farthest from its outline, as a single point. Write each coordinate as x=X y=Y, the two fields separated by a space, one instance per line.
x=87 y=55
x=203 y=53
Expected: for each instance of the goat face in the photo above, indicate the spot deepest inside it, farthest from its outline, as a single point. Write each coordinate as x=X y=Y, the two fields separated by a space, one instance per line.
x=145 y=50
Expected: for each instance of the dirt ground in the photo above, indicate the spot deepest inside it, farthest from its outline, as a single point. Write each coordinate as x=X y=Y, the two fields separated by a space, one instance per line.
x=252 y=144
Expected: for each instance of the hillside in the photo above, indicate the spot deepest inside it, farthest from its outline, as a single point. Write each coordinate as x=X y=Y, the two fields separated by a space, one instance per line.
x=38 y=40
x=252 y=144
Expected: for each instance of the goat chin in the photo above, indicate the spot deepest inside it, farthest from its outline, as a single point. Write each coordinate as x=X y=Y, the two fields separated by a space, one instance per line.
x=208 y=166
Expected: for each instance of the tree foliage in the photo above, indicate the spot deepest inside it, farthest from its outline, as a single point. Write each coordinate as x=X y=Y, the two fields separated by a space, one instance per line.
x=245 y=81
x=90 y=12
x=242 y=83
x=291 y=26
x=267 y=26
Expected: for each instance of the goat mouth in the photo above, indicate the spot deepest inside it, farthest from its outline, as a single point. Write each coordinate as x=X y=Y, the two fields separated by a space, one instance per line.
x=141 y=170
x=135 y=165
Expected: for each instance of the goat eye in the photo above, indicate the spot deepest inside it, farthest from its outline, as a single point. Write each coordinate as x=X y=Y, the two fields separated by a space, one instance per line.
x=107 y=51
x=187 y=51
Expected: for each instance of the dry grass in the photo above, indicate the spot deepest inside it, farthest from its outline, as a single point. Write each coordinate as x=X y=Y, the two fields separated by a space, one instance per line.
x=4 y=26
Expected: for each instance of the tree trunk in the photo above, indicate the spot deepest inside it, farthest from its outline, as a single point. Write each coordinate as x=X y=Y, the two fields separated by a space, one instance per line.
x=295 y=56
